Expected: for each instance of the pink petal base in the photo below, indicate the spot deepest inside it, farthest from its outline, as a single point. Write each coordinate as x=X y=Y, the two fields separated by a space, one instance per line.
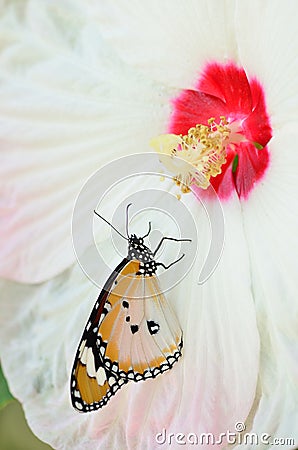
x=224 y=90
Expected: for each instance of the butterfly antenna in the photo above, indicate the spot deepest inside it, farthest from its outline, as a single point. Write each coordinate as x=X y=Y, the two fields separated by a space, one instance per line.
x=105 y=220
x=147 y=234
x=127 y=208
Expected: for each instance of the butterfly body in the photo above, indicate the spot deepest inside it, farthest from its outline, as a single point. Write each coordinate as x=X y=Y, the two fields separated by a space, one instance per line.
x=132 y=333
x=139 y=251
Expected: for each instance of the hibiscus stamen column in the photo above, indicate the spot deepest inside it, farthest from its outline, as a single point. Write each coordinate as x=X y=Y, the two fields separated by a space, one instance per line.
x=225 y=94
x=203 y=149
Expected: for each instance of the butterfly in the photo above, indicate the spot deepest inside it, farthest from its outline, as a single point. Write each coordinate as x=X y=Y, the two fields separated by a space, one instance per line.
x=132 y=333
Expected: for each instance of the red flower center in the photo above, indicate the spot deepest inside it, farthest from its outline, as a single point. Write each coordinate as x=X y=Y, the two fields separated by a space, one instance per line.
x=224 y=90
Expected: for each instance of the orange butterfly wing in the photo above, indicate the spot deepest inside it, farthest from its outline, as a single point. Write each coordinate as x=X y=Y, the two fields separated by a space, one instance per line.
x=132 y=334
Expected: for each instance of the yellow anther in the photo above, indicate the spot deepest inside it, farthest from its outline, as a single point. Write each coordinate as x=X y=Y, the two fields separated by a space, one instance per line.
x=203 y=150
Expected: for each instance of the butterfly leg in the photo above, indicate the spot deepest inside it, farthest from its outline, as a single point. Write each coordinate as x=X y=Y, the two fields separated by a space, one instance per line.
x=169 y=239
x=170 y=265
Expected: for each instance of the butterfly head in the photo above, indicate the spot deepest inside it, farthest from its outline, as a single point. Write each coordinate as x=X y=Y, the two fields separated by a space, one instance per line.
x=138 y=250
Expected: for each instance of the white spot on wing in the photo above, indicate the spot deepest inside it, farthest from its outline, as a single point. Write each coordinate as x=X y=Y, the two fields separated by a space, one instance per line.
x=102 y=317
x=83 y=357
x=90 y=363
x=101 y=376
x=102 y=350
x=81 y=348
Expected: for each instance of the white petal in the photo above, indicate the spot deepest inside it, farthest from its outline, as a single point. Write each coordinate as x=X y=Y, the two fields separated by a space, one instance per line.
x=270 y=219
x=222 y=328
x=170 y=40
x=61 y=118
x=211 y=387
x=267 y=41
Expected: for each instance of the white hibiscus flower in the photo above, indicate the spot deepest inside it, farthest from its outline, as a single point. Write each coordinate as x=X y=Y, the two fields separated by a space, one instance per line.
x=81 y=86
